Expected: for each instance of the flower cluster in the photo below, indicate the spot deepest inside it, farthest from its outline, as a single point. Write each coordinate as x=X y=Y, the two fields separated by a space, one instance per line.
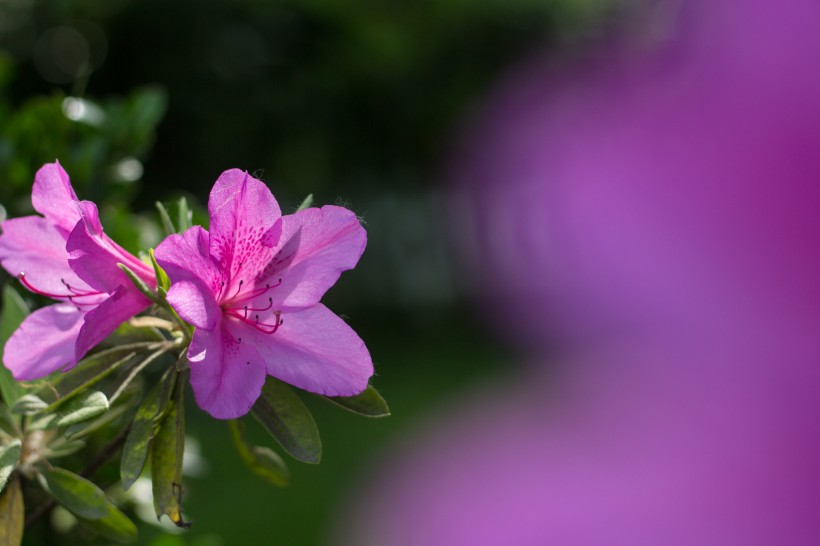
x=250 y=287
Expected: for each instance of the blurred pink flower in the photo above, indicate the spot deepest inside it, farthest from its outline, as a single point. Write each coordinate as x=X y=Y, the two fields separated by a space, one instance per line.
x=65 y=255
x=653 y=217
x=646 y=190
x=252 y=286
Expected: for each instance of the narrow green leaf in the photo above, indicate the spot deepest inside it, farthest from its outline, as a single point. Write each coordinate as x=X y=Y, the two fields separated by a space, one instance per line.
x=124 y=405
x=288 y=420
x=368 y=403
x=28 y=404
x=57 y=450
x=12 y=515
x=185 y=215
x=307 y=203
x=165 y=219
x=87 y=501
x=10 y=424
x=143 y=428
x=80 y=496
x=115 y=526
x=79 y=408
x=146 y=290
x=13 y=312
x=9 y=455
x=166 y=458
x=161 y=275
x=261 y=460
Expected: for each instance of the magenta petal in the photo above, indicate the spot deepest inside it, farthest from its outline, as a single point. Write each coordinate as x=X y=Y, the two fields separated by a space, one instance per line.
x=245 y=224
x=317 y=246
x=316 y=351
x=44 y=342
x=124 y=303
x=226 y=375
x=187 y=257
x=54 y=198
x=195 y=304
x=34 y=246
x=94 y=258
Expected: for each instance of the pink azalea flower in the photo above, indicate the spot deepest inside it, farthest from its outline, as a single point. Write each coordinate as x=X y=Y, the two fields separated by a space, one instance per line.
x=65 y=255
x=252 y=286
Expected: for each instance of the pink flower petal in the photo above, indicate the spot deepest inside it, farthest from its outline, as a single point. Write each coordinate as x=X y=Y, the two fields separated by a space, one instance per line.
x=245 y=225
x=94 y=257
x=226 y=374
x=54 y=198
x=186 y=257
x=34 y=246
x=44 y=342
x=124 y=303
x=317 y=245
x=316 y=351
x=195 y=304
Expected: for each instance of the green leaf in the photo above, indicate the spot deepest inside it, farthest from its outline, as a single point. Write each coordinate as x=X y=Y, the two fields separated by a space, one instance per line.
x=79 y=408
x=261 y=460
x=87 y=501
x=288 y=420
x=13 y=313
x=307 y=203
x=115 y=526
x=148 y=416
x=146 y=290
x=80 y=496
x=12 y=515
x=165 y=219
x=124 y=405
x=166 y=458
x=185 y=215
x=9 y=424
x=368 y=403
x=161 y=275
x=57 y=450
x=9 y=455
x=28 y=404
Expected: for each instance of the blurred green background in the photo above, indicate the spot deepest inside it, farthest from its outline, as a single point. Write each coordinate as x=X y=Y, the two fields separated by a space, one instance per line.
x=355 y=102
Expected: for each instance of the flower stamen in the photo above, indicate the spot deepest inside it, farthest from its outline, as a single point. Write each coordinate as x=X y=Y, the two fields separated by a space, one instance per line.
x=73 y=295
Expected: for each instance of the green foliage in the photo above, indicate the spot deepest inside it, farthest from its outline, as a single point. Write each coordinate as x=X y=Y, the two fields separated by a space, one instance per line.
x=261 y=460
x=87 y=501
x=289 y=421
x=162 y=277
x=139 y=283
x=12 y=514
x=165 y=219
x=144 y=427
x=167 y=451
x=28 y=404
x=96 y=141
x=368 y=403
x=79 y=408
x=307 y=203
x=9 y=455
x=13 y=312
